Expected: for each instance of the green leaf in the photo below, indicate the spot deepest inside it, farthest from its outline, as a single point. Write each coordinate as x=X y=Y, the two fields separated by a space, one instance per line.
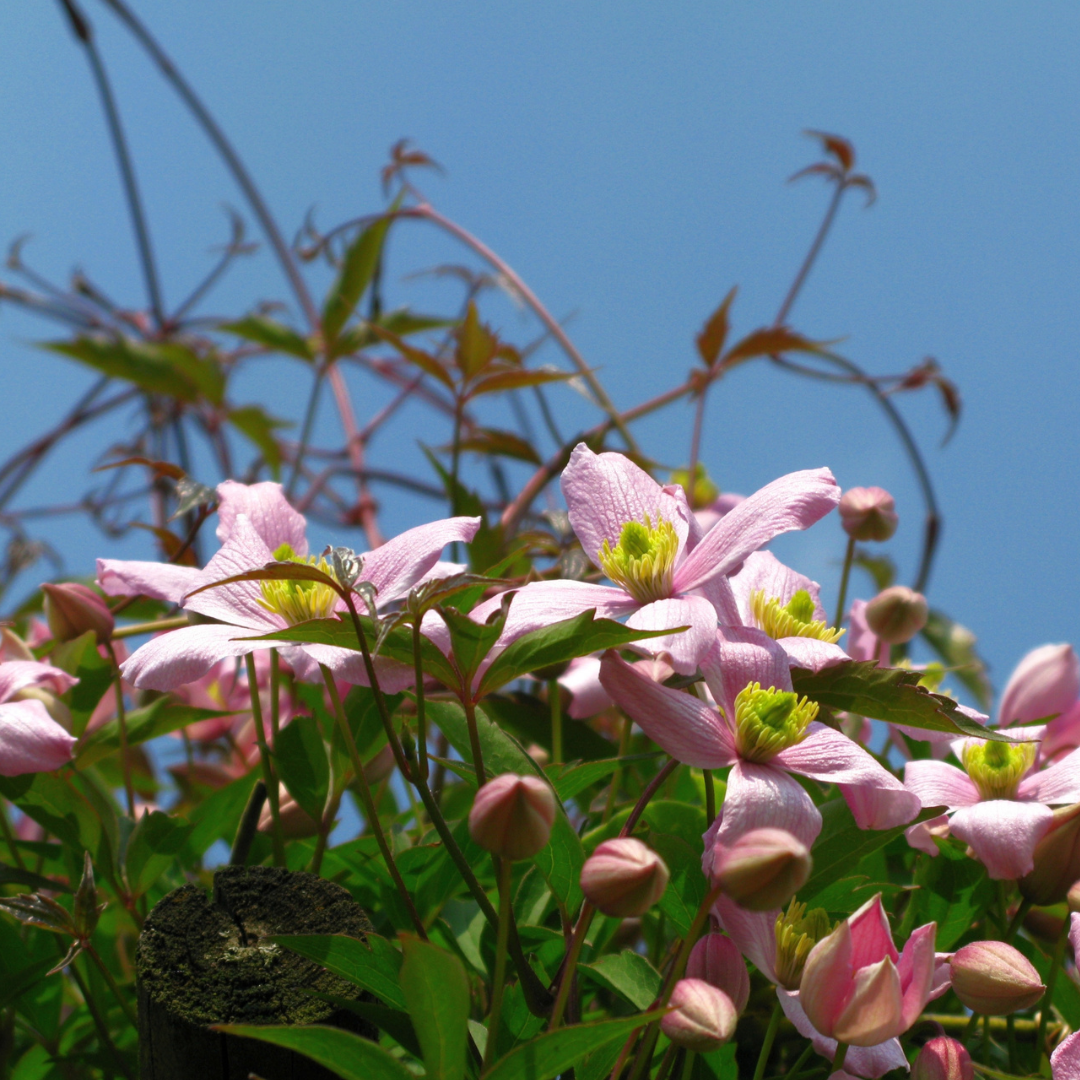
x=347 y=1055
x=373 y=966
x=274 y=335
x=766 y=342
x=471 y=641
x=575 y=780
x=494 y=442
x=218 y=816
x=553 y=1053
x=517 y=380
x=57 y=807
x=559 y=643
x=627 y=973
x=436 y=990
x=954 y=891
x=158 y=718
x=259 y=427
x=842 y=844
x=394 y=1022
x=357 y=270
x=955 y=644
x=156 y=841
x=302 y=764
x=529 y=719
x=81 y=658
x=889 y=694
x=710 y=342
x=1066 y=992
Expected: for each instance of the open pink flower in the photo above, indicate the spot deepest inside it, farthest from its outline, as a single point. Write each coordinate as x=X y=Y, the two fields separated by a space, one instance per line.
x=1000 y=805
x=764 y=733
x=30 y=739
x=667 y=572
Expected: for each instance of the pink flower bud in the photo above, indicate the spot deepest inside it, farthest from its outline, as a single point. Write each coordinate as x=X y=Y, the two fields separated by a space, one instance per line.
x=716 y=959
x=512 y=816
x=763 y=869
x=992 y=978
x=1045 y=683
x=623 y=877
x=380 y=766
x=897 y=614
x=72 y=609
x=702 y=1017
x=943 y=1059
x=868 y=513
x=296 y=823
x=1056 y=860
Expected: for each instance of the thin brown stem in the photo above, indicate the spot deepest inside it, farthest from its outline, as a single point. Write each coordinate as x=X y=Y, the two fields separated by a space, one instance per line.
x=121 y=721
x=812 y=254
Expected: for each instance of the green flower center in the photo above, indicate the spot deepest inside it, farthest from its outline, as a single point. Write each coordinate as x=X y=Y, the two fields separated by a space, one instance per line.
x=793 y=619
x=702 y=493
x=643 y=561
x=299 y=601
x=797 y=932
x=997 y=768
x=768 y=721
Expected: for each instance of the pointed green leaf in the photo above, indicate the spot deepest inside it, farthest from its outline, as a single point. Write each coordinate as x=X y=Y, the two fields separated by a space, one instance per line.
x=627 y=973
x=157 y=840
x=955 y=644
x=158 y=718
x=357 y=270
x=436 y=990
x=374 y=966
x=302 y=764
x=260 y=428
x=274 y=335
x=81 y=658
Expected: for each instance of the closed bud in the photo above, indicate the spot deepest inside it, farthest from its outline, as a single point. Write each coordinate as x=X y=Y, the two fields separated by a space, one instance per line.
x=296 y=823
x=868 y=513
x=716 y=959
x=623 y=877
x=1045 y=683
x=763 y=869
x=702 y=1018
x=72 y=609
x=380 y=766
x=512 y=816
x=897 y=614
x=1056 y=860
x=943 y=1059
x=992 y=978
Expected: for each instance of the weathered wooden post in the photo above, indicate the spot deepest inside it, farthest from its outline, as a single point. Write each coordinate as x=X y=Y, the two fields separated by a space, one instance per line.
x=206 y=960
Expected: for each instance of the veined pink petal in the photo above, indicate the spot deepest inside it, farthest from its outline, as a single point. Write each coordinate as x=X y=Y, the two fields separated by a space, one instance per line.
x=31 y=740
x=938 y=784
x=269 y=512
x=16 y=675
x=921 y=836
x=184 y=655
x=1074 y=933
x=582 y=680
x=687 y=648
x=1046 y=682
x=794 y=501
x=871 y=935
x=916 y=967
x=1003 y=834
x=683 y=725
x=763 y=571
x=827 y=979
x=159 y=581
x=718 y=592
x=760 y=796
x=348 y=666
x=754 y=932
x=1060 y=783
x=401 y=562
x=861 y=642
x=740 y=656
x=605 y=491
x=1065 y=1060
x=872 y=1013
x=809 y=653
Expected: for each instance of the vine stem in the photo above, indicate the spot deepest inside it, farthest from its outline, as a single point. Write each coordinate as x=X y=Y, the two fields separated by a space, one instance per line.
x=767 y=1042
x=421 y=715
x=566 y=977
x=651 y=789
x=849 y=557
x=99 y=1022
x=555 y=705
x=474 y=738
x=838 y=1057
x=269 y=778
x=121 y=720
x=1048 y=997
x=153 y=627
x=498 y=985
x=812 y=254
x=125 y=1005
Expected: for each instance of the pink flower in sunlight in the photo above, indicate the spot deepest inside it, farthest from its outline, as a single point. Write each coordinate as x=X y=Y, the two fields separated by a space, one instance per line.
x=30 y=739
x=666 y=572
x=765 y=733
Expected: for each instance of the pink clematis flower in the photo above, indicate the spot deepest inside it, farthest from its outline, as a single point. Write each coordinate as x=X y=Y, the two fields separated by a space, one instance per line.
x=1045 y=683
x=765 y=734
x=1065 y=1060
x=30 y=739
x=999 y=806
x=667 y=572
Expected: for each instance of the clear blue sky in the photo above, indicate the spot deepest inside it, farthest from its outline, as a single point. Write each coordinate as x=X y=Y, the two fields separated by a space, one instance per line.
x=630 y=161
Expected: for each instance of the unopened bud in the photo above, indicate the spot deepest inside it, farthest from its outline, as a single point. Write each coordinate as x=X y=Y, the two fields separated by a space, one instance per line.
x=897 y=614
x=1056 y=860
x=72 y=609
x=992 y=978
x=763 y=869
x=512 y=816
x=868 y=513
x=1045 y=683
x=623 y=877
x=380 y=766
x=716 y=959
x=296 y=823
x=702 y=1018
x=943 y=1059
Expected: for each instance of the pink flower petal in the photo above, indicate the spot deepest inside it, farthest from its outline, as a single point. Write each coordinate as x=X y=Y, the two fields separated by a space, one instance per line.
x=740 y=656
x=1003 y=834
x=794 y=501
x=687 y=648
x=916 y=968
x=760 y=796
x=270 y=514
x=159 y=581
x=763 y=571
x=754 y=932
x=31 y=740
x=1074 y=933
x=938 y=784
x=1060 y=783
x=605 y=491
x=1046 y=682
x=1065 y=1060
x=401 y=562
x=861 y=642
x=871 y=935
x=582 y=681
x=683 y=725
x=809 y=653
x=827 y=979
x=921 y=836
x=184 y=655
x=16 y=675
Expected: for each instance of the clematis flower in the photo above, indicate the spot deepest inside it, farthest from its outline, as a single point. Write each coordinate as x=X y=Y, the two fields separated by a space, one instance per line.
x=999 y=802
x=665 y=572
x=1065 y=1060
x=30 y=739
x=765 y=733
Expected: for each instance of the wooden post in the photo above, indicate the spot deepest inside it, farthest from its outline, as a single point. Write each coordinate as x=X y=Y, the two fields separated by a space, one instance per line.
x=206 y=960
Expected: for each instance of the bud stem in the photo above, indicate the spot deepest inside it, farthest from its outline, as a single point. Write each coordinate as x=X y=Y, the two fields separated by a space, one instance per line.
x=838 y=1059
x=421 y=718
x=505 y=912
x=767 y=1042
x=849 y=556
x=275 y=691
x=1048 y=997
x=153 y=627
x=264 y=755
x=249 y=822
x=121 y=720
x=555 y=704
x=566 y=978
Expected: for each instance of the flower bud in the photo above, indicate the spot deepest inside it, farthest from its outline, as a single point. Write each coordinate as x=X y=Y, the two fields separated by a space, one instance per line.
x=1056 y=860
x=512 y=816
x=763 y=869
x=623 y=877
x=1045 y=683
x=943 y=1059
x=897 y=614
x=716 y=959
x=296 y=823
x=992 y=978
x=868 y=513
x=702 y=1017
x=380 y=766
x=72 y=609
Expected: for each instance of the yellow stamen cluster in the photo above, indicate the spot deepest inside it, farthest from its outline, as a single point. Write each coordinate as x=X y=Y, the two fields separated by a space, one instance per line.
x=643 y=561
x=797 y=932
x=996 y=767
x=299 y=601
x=793 y=619
x=768 y=721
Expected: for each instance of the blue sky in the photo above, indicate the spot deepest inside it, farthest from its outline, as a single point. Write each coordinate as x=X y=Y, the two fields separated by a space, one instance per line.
x=630 y=161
